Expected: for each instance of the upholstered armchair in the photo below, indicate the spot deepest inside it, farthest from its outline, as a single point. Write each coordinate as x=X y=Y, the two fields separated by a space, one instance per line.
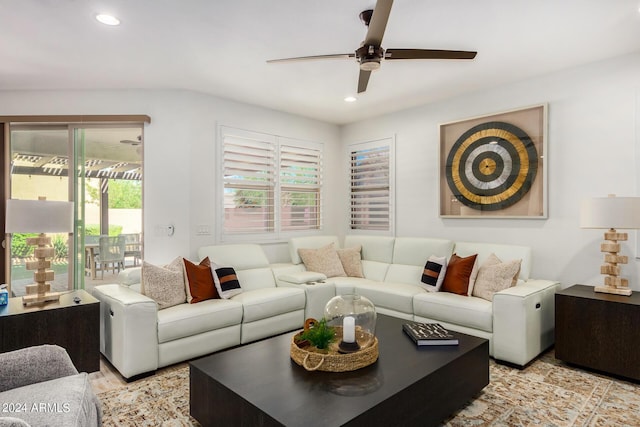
x=40 y=386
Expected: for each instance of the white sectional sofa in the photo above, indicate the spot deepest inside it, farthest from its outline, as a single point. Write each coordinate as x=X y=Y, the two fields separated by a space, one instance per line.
x=138 y=338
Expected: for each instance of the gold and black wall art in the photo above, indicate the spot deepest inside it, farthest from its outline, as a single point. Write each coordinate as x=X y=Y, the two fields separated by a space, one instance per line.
x=494 y=166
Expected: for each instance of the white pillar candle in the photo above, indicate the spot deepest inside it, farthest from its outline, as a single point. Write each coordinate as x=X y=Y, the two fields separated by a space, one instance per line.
x=349 y=329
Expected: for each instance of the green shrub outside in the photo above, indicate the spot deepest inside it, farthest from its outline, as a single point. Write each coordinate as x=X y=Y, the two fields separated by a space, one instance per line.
x=19 y=246
x=94 y=230
x=60 y=246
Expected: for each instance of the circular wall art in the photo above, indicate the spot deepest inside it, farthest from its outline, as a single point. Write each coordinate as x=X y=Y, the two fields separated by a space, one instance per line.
x=491 y=166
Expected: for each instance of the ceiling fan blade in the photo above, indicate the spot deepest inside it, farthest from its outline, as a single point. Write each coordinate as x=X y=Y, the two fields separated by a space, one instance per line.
x=304 y=58
x=428 y=54
x=378 y=22
x=363 y=80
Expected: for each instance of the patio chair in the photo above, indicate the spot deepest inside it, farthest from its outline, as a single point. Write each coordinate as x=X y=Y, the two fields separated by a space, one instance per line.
x=111 y=254
x=133 y=247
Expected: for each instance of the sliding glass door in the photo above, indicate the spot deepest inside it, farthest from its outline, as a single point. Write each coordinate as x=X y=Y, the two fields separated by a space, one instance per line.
x=108 y=199
x=106 y=188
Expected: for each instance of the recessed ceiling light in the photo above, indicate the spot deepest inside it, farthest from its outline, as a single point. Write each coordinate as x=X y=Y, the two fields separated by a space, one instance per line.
x=108 y=19
x=350 y=99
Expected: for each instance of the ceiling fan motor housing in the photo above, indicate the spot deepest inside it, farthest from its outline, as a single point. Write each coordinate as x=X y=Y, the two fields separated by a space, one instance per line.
x=369 y=57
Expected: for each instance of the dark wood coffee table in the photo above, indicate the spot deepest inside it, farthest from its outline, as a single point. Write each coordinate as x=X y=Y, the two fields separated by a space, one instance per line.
x=258 y=384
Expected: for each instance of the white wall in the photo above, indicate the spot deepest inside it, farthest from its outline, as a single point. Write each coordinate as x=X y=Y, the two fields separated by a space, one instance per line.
x=179 y=172
x=592 y=125
x=592 y=144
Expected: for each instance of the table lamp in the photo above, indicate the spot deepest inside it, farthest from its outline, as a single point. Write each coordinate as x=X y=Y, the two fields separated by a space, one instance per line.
x=612 y=213
x=39 y=216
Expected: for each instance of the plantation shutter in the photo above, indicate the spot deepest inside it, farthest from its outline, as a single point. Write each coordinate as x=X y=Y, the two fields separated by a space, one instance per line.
x=249 y=182
x=300 y=184
x=370 y=186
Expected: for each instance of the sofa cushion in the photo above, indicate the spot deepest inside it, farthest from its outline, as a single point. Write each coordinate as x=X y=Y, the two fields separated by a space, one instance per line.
x=433 y=273
x=401 y=273
x=494 y=276
x=374 y=248
x=226 y=281
x=458 y=274
x=323 y=260
x=471 y=312
x=200 y=284
x=392 y=296
x=256 y=278
x=347 y=285
x=351 y=260
x=239 y=256
x=69 y=401
x=185 y=320
x=269 y=302
x=164 y=284
x=374 y=270
x=415 y=250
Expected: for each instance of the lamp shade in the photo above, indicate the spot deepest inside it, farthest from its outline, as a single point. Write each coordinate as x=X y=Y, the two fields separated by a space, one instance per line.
x=39 y=216
x=610 y=212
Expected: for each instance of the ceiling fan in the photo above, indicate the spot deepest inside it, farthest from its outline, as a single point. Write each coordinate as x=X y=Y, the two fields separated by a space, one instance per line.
x=371 y=53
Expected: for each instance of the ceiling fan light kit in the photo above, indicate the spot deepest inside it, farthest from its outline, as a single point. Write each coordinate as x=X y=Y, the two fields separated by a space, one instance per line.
x=370 y=54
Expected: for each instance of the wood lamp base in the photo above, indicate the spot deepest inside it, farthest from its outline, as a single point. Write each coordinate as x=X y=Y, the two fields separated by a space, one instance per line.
x=613 y=283
x=40 y=292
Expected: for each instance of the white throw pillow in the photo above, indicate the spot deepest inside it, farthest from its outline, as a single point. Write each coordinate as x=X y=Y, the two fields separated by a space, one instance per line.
x=226 y=281
x=433 y=273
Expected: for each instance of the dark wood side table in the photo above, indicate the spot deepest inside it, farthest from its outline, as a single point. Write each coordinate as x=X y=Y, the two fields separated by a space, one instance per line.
x=599 y=331
x=74 y=326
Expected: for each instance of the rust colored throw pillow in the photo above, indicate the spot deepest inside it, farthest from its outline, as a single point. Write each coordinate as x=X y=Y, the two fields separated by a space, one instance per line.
x=200 y=282
x=456 y=279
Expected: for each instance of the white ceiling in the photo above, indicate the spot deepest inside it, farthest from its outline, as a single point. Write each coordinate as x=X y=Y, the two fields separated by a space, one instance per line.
x=220 y=47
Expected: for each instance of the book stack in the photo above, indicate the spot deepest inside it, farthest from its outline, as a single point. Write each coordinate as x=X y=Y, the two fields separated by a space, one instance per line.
x=429 y=334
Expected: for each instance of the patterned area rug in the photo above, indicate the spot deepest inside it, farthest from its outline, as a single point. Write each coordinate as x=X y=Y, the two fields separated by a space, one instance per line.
x=546 y=393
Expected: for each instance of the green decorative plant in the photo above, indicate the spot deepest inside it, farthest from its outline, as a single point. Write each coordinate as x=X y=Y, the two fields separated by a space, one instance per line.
x=320 y=335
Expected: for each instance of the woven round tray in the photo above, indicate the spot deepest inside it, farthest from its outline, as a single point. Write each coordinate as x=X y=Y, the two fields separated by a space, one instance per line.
x=333 y=361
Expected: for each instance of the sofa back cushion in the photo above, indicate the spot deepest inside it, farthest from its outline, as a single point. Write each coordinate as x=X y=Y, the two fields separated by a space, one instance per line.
x=248 y=260
x=504 y=252
x=402 y=273
x=374 y=270
x=256 y=278
x=240 y=257
x=374 y=248
x=416 y=250
x=309 y=242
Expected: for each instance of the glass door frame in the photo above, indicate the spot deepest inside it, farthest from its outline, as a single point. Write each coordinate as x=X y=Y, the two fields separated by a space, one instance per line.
x=73 y=122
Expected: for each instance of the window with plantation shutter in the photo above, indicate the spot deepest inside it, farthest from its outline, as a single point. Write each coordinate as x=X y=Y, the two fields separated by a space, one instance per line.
x=300 y=183
x=372 y=186
x=271 y=185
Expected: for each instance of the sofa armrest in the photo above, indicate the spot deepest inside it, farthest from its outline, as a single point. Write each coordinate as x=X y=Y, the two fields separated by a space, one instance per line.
x=317 y=291
x=32 y=365
x=128 y=329
x=523 y=321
